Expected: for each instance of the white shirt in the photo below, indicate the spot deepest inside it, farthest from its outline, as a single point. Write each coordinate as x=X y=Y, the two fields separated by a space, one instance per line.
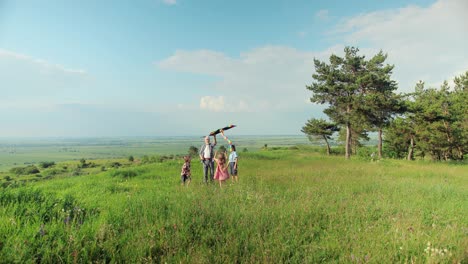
x=207 y=152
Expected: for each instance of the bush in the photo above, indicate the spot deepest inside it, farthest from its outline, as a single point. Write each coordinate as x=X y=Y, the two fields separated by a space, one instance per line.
x=31 y=169
x=46 y=164
x=115 y=164
x=76 y=172
x=365 y=153
x=131 y=158
x=193 y=151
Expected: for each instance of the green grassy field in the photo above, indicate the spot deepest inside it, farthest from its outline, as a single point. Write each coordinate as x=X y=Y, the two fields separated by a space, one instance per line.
x=290 y=205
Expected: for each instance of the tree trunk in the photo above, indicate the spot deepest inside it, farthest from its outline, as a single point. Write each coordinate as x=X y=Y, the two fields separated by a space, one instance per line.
x=380 y=143
x=348 y=140
x=411 y=149
x=328 y=145
x=460 y=153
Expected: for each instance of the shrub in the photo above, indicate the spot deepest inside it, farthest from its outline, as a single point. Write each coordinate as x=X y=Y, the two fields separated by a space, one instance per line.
x=76 y=172
x=193 y=151
x=115 y=164
x=31 y=169
x=46 y=164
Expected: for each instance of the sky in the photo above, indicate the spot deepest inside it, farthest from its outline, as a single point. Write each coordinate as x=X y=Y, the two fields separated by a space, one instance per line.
x=184 y=68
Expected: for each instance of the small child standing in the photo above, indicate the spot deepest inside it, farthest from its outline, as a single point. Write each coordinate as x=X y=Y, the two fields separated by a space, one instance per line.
x=232 y=159
x=233 y=164
x=221 y=173
x=185 y=174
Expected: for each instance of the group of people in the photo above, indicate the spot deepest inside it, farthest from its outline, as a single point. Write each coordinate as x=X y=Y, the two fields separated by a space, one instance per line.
x=225 y=168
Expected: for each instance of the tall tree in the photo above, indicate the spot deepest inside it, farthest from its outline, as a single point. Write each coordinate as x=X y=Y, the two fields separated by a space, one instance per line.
x=338 y=85
x=440 y=119
x=320 y=128
x=379 y=103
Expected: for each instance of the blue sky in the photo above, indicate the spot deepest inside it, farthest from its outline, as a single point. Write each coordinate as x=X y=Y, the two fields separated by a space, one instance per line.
x=185 y=67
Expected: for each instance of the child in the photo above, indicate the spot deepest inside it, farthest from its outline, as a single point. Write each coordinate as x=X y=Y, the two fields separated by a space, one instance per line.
x=221 y=173
x=185 y=174
x=233 y=164
x=232 y=159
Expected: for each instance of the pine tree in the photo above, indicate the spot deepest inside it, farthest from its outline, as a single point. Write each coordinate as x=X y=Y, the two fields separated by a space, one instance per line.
x=338 y=85
x=320 y=128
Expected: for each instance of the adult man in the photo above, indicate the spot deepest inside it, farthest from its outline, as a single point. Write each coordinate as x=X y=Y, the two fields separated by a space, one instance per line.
x=206 y=157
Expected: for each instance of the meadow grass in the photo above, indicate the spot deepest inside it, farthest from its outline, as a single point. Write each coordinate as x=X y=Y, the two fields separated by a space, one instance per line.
x=290 y=205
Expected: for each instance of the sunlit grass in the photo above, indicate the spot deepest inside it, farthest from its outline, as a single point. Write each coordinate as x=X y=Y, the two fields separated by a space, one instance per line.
x=289 y=206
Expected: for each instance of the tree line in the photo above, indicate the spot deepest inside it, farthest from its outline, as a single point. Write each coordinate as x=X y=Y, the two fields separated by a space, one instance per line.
x=361 y=97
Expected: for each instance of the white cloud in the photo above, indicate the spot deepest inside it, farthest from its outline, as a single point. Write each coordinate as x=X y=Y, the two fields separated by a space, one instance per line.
x=322 y=14
x=302 y=34
x=263 y=79
x=170 y=2
x=43 y=65
x=424 y=43
x=26 y=78
x=212 y=103
x=218 y=104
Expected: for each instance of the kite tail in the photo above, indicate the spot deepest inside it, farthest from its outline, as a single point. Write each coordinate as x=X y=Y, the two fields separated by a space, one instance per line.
x=228 y=140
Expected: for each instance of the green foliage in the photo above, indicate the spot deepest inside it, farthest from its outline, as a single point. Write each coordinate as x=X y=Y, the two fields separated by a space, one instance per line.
x=131 y=158
x=46 y=164
x=222 y=149
x=359 y=93
x=398 y=138
x=76 y=172
x=320 y=128
x=193 y=151
x=435 y=125
x=115 y=164
x=83 y=164
x=145 y=159
x=30 y=169
x=245 y=150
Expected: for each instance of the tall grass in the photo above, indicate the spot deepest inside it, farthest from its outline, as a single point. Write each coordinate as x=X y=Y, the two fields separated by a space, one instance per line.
x=289 y=206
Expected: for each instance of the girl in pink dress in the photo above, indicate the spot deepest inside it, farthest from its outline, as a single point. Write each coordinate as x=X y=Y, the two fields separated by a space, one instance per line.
x=221 y=173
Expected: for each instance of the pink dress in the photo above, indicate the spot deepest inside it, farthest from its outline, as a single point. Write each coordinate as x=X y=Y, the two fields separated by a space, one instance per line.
x=221 y=173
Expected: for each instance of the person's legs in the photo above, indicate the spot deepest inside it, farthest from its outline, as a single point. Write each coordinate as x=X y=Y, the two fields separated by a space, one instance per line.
x=233 y=171
x=185 y=180
x=206 y=165
x=211 y=164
